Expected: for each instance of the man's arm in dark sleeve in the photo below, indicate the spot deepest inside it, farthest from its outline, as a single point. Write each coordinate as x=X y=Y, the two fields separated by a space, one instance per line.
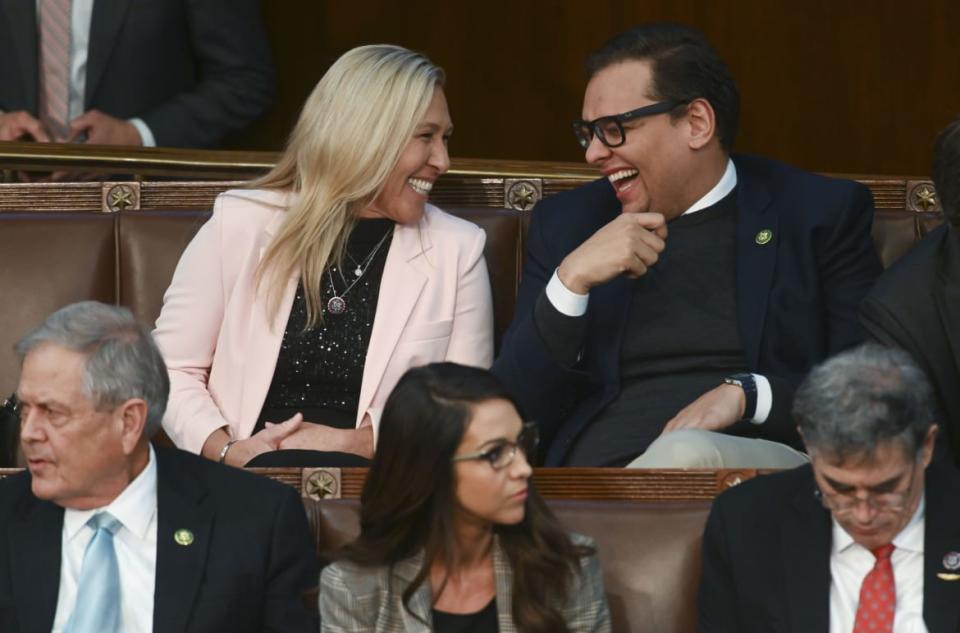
x=236 y=77
x=540 y=348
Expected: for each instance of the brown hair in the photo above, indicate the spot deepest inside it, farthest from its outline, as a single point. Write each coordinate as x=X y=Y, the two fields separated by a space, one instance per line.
x=408 y=498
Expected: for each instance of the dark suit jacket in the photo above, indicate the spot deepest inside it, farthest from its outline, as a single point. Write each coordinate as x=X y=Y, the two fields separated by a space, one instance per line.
x=797 y=295
x=766 y=556
x=192 y=70
x=916 y=306
x=251 y=560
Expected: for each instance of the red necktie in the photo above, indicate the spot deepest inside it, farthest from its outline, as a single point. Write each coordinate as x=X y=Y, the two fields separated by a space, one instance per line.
x=878 y=595
x=55 y=36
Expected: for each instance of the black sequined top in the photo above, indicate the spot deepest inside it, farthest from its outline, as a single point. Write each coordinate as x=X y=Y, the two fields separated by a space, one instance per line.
x=319 y=371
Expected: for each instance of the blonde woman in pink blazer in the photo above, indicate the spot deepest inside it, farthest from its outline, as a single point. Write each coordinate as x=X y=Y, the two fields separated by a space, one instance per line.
x=301 y=302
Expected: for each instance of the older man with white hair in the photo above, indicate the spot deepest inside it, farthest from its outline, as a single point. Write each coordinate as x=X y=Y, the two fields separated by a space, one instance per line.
x=104 y=533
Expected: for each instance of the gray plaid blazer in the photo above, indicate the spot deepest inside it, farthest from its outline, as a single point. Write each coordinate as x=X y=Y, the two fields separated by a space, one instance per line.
x=357 y=599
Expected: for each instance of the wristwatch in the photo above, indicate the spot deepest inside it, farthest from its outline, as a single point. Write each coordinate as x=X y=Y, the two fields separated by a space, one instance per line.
x=749 y=386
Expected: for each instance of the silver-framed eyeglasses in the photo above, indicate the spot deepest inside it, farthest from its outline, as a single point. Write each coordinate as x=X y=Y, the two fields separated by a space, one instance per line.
x=845 y=501
x=500 y=453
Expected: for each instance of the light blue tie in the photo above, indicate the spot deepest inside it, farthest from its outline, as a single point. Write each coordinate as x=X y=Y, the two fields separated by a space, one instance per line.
x=98 y=593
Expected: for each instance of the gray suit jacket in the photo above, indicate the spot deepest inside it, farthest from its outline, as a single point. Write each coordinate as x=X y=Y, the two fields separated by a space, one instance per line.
x=356 y=599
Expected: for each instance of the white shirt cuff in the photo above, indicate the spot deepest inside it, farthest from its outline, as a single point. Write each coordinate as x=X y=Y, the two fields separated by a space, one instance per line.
x=145 y=134
x=565 y=300
x=764 y=399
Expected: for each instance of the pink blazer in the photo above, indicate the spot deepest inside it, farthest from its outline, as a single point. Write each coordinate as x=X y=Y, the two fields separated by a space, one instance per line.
x=221 y=347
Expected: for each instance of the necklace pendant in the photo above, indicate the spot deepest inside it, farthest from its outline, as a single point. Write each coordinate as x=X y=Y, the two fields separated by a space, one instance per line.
x=357 y=271
x=336 y=305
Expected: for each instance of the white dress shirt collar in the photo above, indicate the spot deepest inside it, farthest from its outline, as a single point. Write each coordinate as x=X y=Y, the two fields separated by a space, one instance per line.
x=720 y=190
x=909 y=539
x=134 y=507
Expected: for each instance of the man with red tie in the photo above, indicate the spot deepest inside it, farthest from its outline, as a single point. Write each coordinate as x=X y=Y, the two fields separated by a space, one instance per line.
x=866 y=538
x=176 y=73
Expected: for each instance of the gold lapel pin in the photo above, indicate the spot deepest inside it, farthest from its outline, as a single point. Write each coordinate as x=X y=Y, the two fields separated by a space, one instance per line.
x=183 y=537
x=948 y=577
x=764 y=237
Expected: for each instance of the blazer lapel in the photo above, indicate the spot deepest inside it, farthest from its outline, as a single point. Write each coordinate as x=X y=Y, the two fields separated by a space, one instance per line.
x=180 y=562
x=403 y=281
x=265 y=337
x=756 y=257
x=941 y=595
x=35 y=549
x=421 y=602
x=22 y=26
x=503 y=579
x=805 y=543
x=108 y=16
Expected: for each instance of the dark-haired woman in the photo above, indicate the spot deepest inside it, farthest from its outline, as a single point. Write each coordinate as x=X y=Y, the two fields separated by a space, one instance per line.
x=453 y=535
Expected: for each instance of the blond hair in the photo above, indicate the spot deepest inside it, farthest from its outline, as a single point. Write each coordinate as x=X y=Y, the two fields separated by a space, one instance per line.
x=350 y=134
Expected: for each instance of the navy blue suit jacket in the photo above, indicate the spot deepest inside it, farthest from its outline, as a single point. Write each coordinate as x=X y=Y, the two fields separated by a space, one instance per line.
x=247 y=569
x=193 y=71
x=797 y=295
x=766 y=556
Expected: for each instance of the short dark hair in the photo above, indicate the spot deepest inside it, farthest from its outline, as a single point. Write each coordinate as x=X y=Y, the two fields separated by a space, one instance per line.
x=946 y=171
x=685 y=67
x=863 y=397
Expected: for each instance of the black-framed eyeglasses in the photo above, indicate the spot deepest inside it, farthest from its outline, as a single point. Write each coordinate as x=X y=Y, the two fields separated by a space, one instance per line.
x=501 y=454
x=841 y=503
x=609 y=129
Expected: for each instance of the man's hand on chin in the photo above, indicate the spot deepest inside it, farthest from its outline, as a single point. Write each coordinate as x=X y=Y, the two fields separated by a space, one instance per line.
x=627 y=245
x=713 y=411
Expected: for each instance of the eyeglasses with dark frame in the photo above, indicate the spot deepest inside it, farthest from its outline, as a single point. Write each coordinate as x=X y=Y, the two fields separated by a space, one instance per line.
x=609 y=129
x=841 y=503
x=501 y=454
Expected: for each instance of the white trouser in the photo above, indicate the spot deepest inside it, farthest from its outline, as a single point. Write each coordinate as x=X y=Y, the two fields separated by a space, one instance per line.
x=691 y=448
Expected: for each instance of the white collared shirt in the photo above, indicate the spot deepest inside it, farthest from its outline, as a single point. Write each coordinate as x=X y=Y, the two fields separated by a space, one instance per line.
x=136 y=546
x=850 y=563
x=573 y=304
x=80 y=19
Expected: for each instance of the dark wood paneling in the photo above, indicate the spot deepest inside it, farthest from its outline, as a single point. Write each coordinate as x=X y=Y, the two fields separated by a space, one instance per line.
x=854 y=86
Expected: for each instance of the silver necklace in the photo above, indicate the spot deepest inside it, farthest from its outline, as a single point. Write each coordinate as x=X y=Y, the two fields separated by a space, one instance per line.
x=337 y=304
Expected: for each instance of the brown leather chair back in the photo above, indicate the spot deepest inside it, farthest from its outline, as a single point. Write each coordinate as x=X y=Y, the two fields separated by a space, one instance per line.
x=149 y=246
x=49 y=260
x=502 y=252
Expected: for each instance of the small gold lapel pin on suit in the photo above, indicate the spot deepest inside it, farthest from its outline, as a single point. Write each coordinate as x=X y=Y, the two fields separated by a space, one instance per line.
x=764 y=237
x=183 y=537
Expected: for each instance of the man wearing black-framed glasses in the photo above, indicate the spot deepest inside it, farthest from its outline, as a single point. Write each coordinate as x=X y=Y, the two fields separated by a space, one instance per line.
x=862 y=539
x=668 y=311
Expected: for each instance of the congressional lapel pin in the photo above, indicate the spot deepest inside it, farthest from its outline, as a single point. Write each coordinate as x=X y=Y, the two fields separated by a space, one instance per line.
x=183 y=537
x=764 y=237
x=951 y=562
